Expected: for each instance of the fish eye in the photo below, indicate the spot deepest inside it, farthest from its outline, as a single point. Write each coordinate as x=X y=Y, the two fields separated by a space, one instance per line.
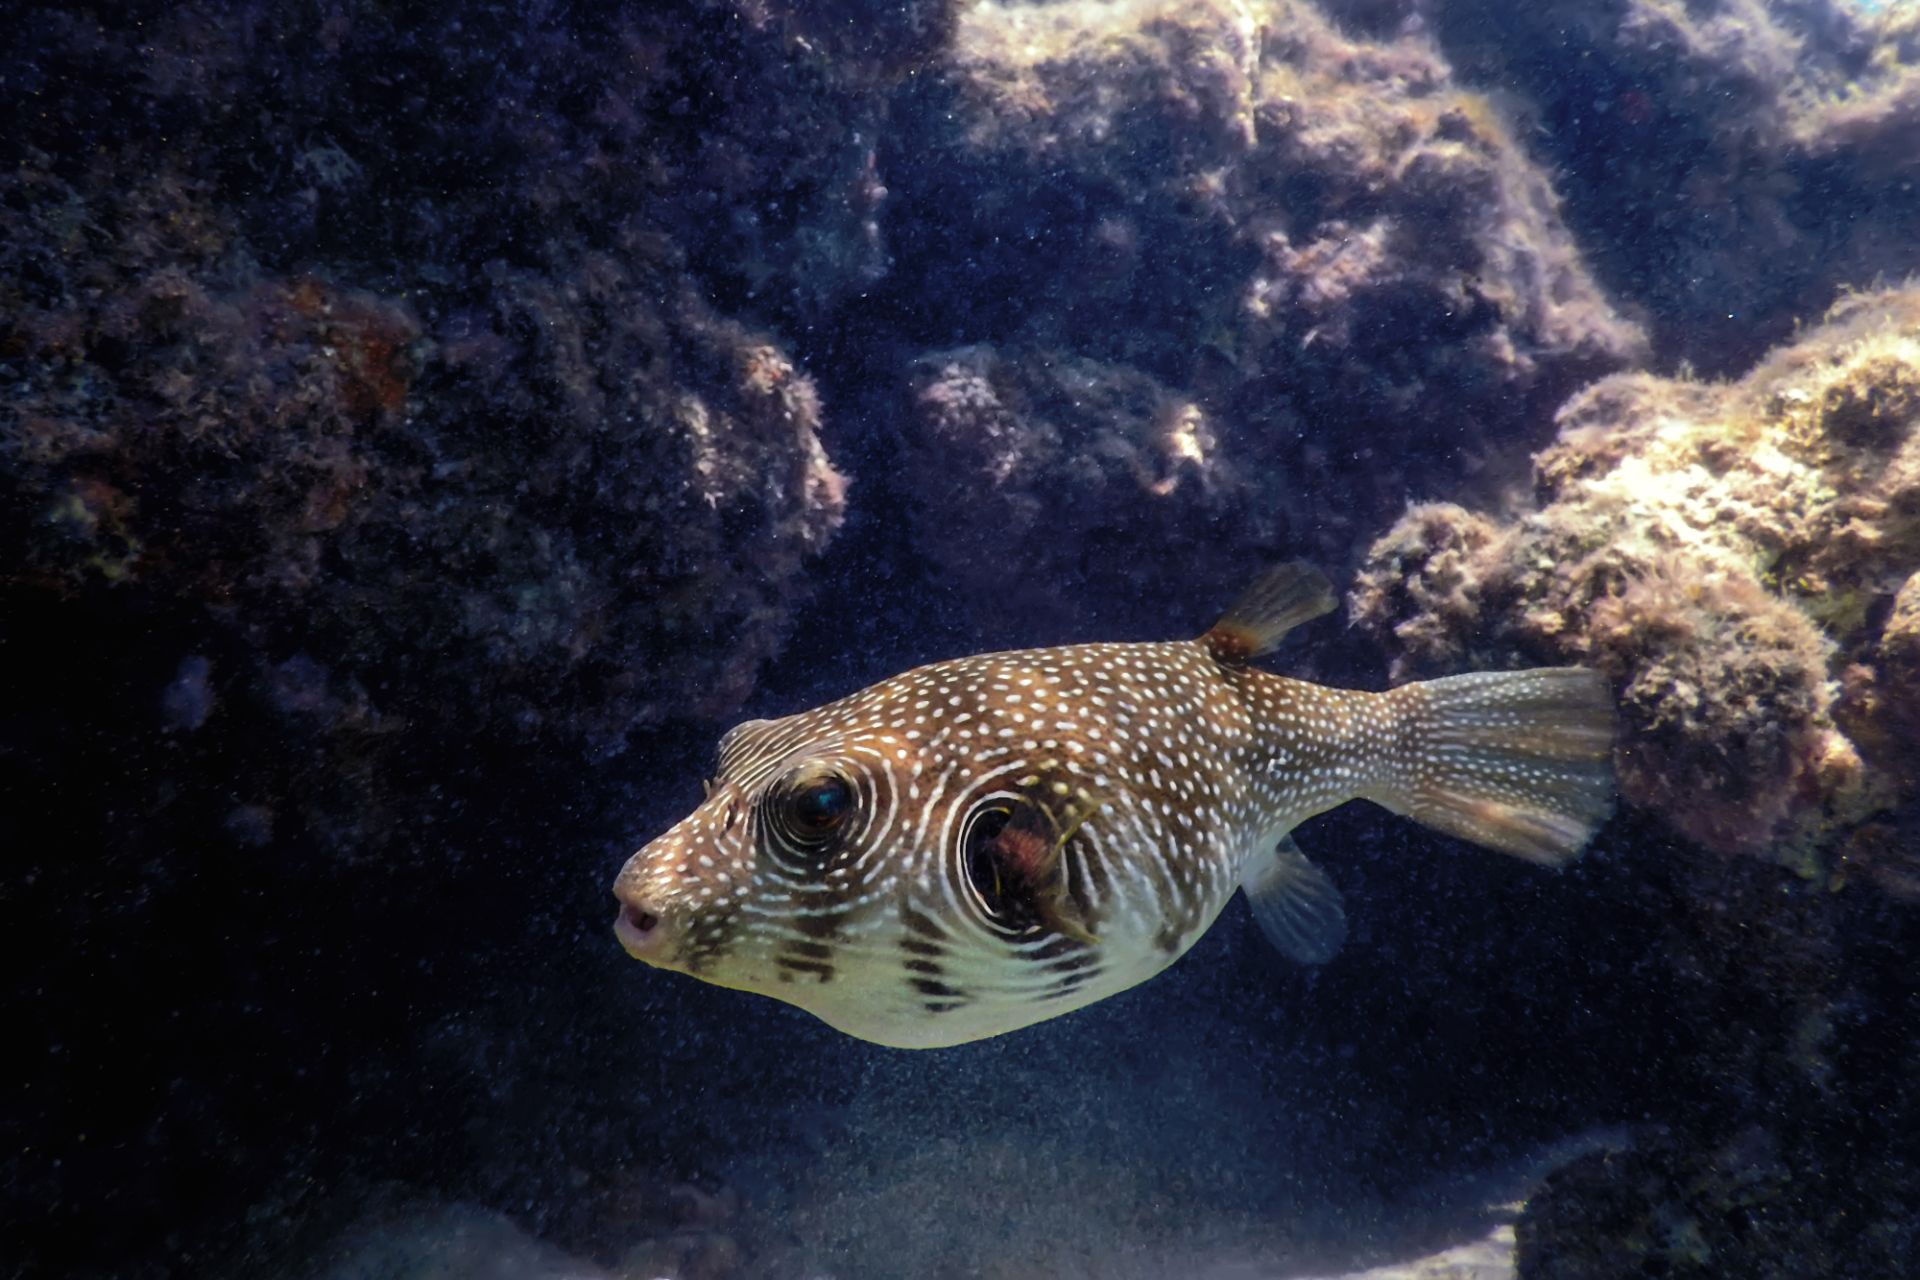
x=819 y=805
x=983 y=866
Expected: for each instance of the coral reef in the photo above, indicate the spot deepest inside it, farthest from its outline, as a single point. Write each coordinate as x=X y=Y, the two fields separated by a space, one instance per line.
x=1025 y=460
x=1743 y=1207
x=1695 y=142
x=1737 y=556
x=375 y=459
x=371 y=530
x=1734 y=556
x=259 y=449
x=584 y=462
x=1781 y=1142
x=1330 y=248
x=1783 y=1146
x=1891 y=697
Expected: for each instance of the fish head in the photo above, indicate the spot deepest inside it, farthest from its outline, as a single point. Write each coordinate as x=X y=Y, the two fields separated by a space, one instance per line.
x=878 y=873
x=730 y=893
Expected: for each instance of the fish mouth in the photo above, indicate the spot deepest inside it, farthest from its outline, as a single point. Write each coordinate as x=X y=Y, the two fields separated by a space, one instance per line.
x=641 y=934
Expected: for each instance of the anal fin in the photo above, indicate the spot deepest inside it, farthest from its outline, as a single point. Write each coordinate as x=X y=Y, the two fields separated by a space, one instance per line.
x=1297 y=906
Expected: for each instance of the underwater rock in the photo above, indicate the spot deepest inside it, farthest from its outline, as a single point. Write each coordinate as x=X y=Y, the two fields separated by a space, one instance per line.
x=311 y=471
x=1728 y=165
x=1725 y=552
x=1327 y=245
x=1337 y=197
x=1162 y=89
x=1024 y=460
x=377 y=456
x=1736 y=556
x=490 y=492
x=1895 y=676
x=1739 y=1208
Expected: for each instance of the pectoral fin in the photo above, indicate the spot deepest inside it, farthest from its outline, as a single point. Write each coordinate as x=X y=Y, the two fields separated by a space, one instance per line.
x=1296 y=904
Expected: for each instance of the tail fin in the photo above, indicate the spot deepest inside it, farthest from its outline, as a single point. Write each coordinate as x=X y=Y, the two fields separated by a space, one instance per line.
x=1519 y=761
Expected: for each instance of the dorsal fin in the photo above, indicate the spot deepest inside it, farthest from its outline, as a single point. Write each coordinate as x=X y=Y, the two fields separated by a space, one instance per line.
x=1278 y=601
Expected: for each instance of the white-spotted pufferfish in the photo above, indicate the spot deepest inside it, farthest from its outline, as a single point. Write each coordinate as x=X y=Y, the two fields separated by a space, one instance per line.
x=980 y=844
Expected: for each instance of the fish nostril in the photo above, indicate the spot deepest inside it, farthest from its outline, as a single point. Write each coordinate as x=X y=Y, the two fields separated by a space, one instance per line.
x=637 y=920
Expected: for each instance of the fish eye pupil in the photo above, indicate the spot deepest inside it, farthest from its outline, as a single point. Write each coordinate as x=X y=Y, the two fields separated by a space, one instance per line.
x=820 y=805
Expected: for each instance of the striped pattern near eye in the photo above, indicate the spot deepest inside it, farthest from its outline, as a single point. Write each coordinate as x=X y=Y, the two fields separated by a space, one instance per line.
x=970 y=867
x=822 y=828
x=825 y=815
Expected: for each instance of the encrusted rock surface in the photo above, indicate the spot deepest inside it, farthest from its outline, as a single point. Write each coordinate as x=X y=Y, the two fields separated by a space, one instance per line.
x=1729 y=165
x=1326 y=251
x=1734 y=556
x=375 y=457
x=1048 y=485
x=1738 y=557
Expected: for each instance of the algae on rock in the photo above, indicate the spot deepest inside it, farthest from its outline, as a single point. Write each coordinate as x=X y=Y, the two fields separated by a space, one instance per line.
x=1336 y=254
x=1736 y=556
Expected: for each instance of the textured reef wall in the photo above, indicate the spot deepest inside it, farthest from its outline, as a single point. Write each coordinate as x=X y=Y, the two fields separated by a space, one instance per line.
x=500 y=452
x=422 y=434
x=1736 y=556
x=1728 y=162
x=372 y=461
x=1324 y=252
x=1740 y=558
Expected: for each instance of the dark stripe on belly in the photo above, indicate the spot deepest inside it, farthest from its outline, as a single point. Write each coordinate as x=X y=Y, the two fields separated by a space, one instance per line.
x=938 y=996
x=819 y=925
x=1072 y=971
x=709 y=939
x=919 y=922
x=790 y=966
x=923 y=947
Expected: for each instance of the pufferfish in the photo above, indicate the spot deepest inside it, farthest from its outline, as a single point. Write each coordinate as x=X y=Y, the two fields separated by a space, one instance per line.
x=977 y=845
